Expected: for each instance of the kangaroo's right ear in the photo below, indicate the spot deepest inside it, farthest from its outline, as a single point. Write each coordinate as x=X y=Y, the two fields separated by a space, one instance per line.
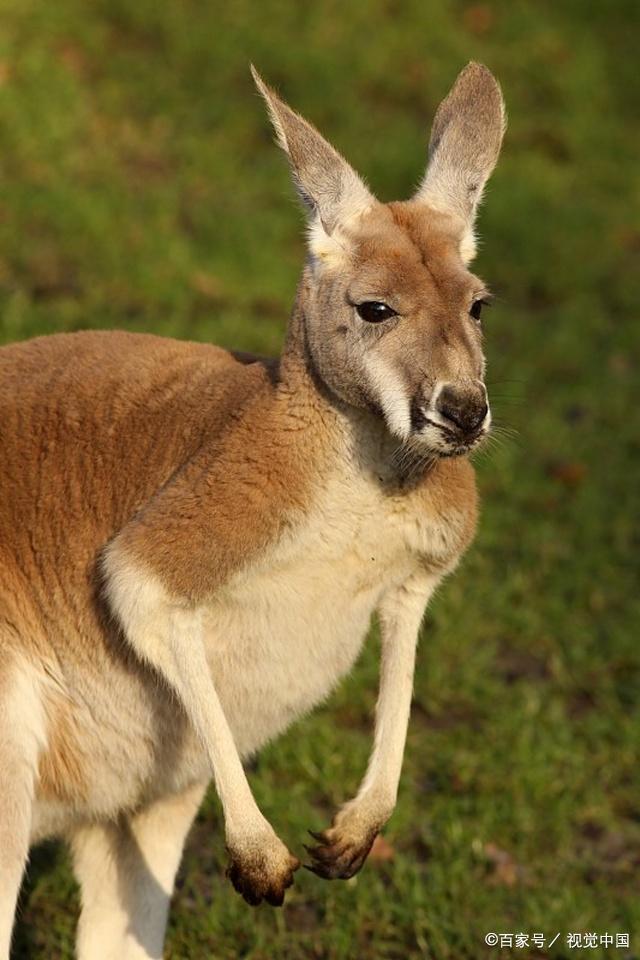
x=330 y=189
x=465 y=143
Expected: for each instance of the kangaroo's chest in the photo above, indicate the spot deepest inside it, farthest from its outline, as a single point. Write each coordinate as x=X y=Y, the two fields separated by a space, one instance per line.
x=285 y=631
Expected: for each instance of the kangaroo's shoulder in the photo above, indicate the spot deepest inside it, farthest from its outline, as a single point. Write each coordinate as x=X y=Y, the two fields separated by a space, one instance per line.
x=243 y=488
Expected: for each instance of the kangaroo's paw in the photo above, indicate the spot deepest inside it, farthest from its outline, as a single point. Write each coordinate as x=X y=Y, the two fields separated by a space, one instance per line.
x=262 y=869
x=343 y=848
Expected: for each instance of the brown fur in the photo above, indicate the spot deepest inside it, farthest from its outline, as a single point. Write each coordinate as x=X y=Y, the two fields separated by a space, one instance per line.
x=92 y=425
x=60 y=770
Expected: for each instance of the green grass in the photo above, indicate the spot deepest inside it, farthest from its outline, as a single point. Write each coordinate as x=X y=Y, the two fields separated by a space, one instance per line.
x=140 y=190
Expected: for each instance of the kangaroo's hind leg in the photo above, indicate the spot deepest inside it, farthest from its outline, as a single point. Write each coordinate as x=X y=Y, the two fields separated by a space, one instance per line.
x=126 y=872
x=21 y=738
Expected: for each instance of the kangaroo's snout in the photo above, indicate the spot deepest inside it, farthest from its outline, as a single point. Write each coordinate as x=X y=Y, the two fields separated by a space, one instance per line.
x=463 y=407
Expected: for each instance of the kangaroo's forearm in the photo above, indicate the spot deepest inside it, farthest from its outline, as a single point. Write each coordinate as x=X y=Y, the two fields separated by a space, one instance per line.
x=400 y=617
x=343 y=848
x=193 y=683
x=169 y=637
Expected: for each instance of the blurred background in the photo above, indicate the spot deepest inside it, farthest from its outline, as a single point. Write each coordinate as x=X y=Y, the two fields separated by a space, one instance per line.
x=141 y=190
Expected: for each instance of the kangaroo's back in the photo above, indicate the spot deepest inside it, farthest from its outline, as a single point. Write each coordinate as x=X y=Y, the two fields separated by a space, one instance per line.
x=91 y=425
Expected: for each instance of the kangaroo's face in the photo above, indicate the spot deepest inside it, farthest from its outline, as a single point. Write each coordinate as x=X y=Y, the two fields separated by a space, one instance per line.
x=397 y=327
x=392 y=313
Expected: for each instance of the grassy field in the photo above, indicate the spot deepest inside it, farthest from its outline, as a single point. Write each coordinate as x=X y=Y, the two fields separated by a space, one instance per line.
x=140 y=190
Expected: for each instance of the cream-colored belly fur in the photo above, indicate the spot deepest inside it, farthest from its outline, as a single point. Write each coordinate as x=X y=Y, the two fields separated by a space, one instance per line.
x=279 y=638
x=288 y=630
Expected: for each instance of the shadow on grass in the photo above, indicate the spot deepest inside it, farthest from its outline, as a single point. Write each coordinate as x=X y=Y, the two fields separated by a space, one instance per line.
x=37 y=930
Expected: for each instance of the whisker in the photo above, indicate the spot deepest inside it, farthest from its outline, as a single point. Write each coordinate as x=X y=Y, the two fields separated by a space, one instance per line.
x=410 y=461
x=503 y=430
x=504 y=438
x=496 y=383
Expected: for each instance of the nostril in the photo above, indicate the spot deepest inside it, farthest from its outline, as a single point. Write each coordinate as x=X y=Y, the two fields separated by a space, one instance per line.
x=467 y=416
x=480 y=416
x=454 y=413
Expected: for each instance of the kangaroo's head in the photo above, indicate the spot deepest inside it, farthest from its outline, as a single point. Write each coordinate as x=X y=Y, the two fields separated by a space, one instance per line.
x=391 y=311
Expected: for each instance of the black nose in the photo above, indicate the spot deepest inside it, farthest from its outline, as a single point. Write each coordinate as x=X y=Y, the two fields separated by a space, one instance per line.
x=465 y=408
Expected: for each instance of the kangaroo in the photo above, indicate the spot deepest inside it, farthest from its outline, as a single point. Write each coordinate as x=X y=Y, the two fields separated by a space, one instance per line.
x=193 y=543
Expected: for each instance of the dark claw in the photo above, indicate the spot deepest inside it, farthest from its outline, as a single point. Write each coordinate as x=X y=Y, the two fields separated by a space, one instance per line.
x=276 y=899
x=241 y=886
x=315 y=870
x=317 y=836
x=337 y=860
x=355 y=866
x=330 y=871
x=251 y=897
x=325 y=854
x=254 y=893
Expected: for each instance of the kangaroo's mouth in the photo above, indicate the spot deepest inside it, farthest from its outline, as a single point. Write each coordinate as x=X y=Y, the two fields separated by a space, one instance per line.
x=451 y=443
x=444 y=441
x=432 y=442
x=443 y=437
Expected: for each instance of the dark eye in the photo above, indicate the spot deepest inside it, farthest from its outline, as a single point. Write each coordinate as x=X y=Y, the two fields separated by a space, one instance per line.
x=373 y=311
x=476 y=308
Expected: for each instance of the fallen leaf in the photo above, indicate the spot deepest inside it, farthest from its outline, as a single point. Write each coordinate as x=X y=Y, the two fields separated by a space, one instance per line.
x=570 y=473
x=504 y=871
x=206 y=285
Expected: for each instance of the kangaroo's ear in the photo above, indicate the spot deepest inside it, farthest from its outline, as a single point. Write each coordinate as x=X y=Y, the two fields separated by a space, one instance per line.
x=330 y=189
x=465 y=144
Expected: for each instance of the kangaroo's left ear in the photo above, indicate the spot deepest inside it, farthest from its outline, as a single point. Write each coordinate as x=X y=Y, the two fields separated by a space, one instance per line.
x=329 y=188
x=464 y=147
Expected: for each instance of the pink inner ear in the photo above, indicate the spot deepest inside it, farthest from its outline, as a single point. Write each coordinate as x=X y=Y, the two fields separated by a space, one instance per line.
x=465 y=143
x=327 y=185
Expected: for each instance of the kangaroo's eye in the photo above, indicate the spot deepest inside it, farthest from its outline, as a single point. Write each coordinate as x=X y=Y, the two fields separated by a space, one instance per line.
x=373 y=311
x=476 y=308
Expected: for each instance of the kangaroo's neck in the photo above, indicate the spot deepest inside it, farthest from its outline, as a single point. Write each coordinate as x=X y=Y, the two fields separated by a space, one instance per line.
x=299 y=378
x=360 y=435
